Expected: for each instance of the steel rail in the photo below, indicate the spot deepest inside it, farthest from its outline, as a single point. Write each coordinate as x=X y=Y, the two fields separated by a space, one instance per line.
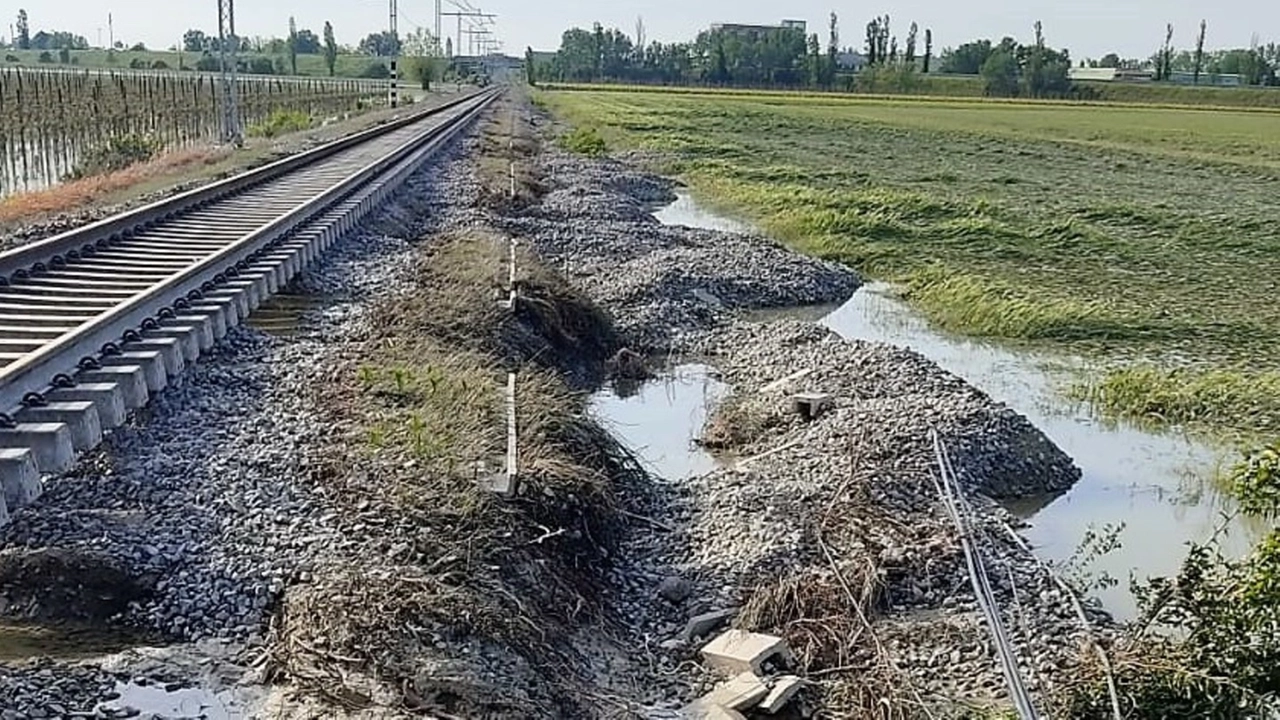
x=25 y=380
x=29 y=256
x=955 y=504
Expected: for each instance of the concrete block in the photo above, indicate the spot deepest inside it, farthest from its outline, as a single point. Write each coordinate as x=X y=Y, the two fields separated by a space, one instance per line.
x=700 y=625
x=783 y=690
x=254 y=289
x=107 y=398
x=239 y=300
x=151 y=362
x=202 y=325
x=743 y=692
x=810 y=405
x=19 y=477
x=80 y=417
x=131 y=379
x=170 y=349
x=187 y=336
x=738 y=651
x=50 y=444
x=700 y=710
x=217 y=314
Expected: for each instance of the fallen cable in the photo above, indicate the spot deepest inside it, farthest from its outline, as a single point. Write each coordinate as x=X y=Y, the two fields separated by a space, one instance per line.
x=948 y=491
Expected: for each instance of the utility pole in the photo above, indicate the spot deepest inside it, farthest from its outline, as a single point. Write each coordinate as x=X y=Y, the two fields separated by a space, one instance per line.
x=460 y=14
x=395 y=52
x=228 y=44
x=439 y=49
x=111 y=30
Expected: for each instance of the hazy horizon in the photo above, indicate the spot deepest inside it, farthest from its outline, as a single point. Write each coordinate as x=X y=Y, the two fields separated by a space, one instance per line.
x=1088 y=28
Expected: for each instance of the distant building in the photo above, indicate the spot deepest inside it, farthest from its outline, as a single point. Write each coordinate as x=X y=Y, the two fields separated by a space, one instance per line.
x=1214 y=80
x=759 y=30
x=851 y=61
x=1101 y=74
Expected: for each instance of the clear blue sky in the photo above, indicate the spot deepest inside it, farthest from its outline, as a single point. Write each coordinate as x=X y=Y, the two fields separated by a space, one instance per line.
x=1089 y=28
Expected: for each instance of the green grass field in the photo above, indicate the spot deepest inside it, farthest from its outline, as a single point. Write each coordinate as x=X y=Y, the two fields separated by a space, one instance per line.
x=1145 y=236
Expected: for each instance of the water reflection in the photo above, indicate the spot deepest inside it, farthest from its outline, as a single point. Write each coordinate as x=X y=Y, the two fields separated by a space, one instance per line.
x=661 y=419
x=1159 y=485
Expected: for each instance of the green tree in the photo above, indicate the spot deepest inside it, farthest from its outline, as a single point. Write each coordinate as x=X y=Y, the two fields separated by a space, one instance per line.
x=530 y=71
x=1199 y=52
x=1110 y=60
x=814 y=64
x=330 y=48
x=873 y=42
x=23 y=31
x=967 y=59
x=928 y=49
x=1000 y=71
x=911 y=44
x=833 y=49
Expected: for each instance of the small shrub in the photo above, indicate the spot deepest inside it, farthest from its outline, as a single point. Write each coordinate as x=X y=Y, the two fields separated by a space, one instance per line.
x=12 y=58
x=1255 y=481
x=376 y=71
x=45 y=57
x=281 y=122
x=118 y=154
x=261 y=66
x=138 y=64
x=64 y=56
x=159 y=65
x=585 y=141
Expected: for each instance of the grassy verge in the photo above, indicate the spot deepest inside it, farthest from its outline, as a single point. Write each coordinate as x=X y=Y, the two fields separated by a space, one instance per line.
x=949 y=88
x=1118 y=232
x=506 y=580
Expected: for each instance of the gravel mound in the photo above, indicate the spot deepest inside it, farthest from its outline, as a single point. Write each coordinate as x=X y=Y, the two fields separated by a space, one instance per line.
x=662 y=284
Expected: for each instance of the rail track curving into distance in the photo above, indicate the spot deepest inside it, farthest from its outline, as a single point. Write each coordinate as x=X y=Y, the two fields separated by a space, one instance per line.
x=95 y=320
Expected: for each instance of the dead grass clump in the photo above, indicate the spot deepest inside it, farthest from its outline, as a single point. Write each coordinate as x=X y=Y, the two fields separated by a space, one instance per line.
x=390 y=620
x=811 y=608
x=737 y=422
x=72 y=195
x=456 y=592
x=458 y=295
x=566 y=322
x=509 y=146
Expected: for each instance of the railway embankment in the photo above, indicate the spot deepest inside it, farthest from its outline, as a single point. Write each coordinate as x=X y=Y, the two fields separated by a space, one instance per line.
x=314 y=512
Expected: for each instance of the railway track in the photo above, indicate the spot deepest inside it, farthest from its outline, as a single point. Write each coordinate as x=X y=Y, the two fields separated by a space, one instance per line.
x=96 y=320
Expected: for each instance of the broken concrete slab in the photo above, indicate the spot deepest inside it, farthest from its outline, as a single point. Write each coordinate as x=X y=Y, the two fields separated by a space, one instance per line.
x=809 y=405
x=783 y=690
x=701 y=710
x=700 y=625
x=742 y=692
x=738 y=651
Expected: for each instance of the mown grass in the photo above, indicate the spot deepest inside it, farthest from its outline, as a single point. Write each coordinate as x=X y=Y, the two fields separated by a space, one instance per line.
x=1118 y=232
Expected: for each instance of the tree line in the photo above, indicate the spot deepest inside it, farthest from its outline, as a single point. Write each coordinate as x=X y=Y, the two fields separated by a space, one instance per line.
x=785 y=57
x=262 y=56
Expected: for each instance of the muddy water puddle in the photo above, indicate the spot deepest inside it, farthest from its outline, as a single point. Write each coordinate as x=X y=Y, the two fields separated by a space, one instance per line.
x=1158 y=485
x=281 y=315
x=170 y=702
x=660 y=419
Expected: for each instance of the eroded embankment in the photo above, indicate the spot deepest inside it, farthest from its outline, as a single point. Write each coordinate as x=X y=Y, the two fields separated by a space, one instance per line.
x=831 y=533
x=319 y=499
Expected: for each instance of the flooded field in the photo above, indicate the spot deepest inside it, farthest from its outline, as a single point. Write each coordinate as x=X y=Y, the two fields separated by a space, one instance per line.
x=1157 y=485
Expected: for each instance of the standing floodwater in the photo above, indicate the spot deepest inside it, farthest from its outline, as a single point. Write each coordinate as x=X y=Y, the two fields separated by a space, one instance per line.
x=660 y=420
x=1159 y=485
